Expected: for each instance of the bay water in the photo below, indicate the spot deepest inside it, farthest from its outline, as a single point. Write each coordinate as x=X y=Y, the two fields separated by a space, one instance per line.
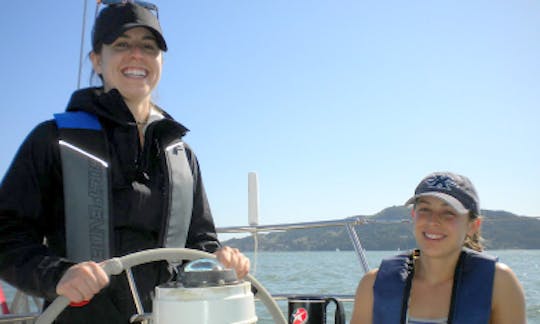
x=338 y=272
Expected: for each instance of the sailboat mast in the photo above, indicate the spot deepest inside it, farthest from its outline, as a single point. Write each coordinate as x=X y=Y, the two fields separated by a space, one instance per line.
x=81 y=50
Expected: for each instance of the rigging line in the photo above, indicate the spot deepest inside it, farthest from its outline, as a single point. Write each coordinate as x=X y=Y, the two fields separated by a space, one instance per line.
x=82 y=45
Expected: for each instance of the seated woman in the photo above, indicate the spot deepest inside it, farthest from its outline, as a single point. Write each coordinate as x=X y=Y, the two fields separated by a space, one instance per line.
x=447 y=279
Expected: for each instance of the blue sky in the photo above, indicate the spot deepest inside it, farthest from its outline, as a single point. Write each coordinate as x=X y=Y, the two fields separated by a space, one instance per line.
x=341 y=107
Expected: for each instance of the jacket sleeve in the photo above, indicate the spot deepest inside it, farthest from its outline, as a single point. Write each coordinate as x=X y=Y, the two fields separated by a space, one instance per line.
x=31 y=199
x=202 y=232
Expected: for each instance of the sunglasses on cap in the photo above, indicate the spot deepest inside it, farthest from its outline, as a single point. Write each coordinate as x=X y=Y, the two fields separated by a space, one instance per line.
x=147 y=5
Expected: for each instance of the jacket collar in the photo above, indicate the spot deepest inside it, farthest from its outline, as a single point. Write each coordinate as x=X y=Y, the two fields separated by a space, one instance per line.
x=111 y=106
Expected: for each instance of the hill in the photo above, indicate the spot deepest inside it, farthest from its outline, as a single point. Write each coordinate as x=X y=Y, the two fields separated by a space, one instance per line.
x=501 y=230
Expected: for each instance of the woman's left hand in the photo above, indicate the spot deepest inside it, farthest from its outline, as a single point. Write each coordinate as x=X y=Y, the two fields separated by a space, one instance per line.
x=233 y=258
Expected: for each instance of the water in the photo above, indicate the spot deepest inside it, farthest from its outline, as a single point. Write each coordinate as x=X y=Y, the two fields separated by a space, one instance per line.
x=340 y=272
x=317 y=272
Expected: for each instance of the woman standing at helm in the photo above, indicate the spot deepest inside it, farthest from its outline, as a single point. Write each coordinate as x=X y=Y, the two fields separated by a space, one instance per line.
x=447 y=279
x=147 y=206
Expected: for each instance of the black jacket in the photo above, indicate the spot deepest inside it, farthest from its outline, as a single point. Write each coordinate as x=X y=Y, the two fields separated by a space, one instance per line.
x=32 y=233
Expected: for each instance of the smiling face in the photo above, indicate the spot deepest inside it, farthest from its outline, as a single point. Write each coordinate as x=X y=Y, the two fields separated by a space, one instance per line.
x=131 y=64
x=439 y=229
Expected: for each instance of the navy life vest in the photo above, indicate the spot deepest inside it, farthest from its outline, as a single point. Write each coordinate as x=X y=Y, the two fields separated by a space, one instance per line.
x=87 y=190
x=471 y=292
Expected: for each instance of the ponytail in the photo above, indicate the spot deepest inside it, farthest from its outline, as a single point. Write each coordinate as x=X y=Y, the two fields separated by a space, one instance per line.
x=474 y=241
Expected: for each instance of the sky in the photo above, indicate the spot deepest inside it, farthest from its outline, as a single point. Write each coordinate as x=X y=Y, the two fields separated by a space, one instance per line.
x=341 y=107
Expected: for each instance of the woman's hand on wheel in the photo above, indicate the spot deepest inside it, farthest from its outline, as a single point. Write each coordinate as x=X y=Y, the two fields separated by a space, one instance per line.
x=82 y=281
x=233 y=258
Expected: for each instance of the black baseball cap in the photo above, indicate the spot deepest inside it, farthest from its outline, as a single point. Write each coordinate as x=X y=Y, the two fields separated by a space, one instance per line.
x=454 y=189
x=114 y=20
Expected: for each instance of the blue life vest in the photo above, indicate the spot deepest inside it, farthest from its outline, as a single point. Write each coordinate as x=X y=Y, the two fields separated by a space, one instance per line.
x=471 y=293
x=87 y=191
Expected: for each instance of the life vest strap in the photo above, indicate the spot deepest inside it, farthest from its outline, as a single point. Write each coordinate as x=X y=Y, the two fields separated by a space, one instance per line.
x=180 y=195
x=86 y=189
